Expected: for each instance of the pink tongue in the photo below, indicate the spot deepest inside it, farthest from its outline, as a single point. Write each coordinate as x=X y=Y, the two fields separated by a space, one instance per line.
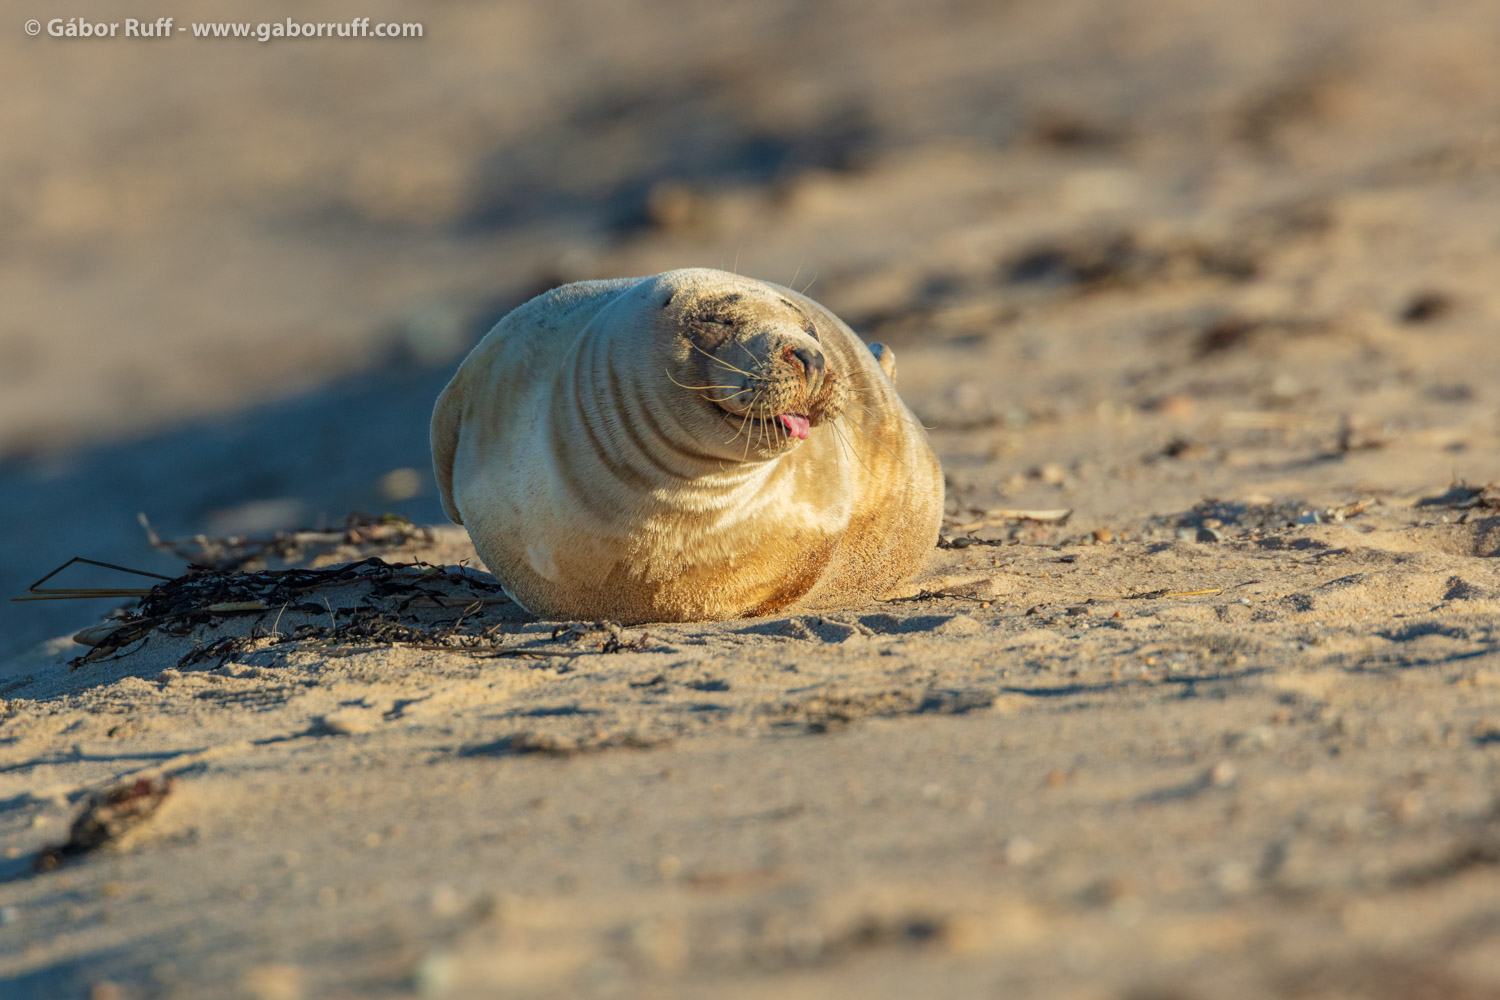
x=795 y=423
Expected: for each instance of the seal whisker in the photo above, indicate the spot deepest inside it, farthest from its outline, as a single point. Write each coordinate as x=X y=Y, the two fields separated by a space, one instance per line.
x=745 y=423
x=882 y=444
x=838 y=435
x=844 y=444
x=760 y=430
x=745 y=428
x=901 y=412
x=856 y=425
x=909 y=419
x=720 y=361
x=754 y=402
x=915 y=422
x=686 y=386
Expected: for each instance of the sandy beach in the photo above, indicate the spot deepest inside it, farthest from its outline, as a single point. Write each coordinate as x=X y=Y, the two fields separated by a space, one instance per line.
x=1197 y=697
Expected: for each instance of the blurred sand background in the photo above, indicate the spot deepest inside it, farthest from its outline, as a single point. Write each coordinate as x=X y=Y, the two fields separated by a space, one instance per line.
x=1220 y=278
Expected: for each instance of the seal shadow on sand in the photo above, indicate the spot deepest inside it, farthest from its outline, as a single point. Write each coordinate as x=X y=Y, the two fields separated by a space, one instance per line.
x=280 y=465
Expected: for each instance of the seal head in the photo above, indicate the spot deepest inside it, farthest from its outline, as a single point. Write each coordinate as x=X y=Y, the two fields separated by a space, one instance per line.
x=759 y=364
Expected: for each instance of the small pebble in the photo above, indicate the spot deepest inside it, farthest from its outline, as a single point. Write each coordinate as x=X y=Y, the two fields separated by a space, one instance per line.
x=400 y=484
x=1254 y=738
x=1052 y=474
x=1426 y=306
x=1177 y=407
x=1018 y=851
x=273 y=982
x=350 y=722
x=444 y=902
x=1234 y=877
x=435 y=975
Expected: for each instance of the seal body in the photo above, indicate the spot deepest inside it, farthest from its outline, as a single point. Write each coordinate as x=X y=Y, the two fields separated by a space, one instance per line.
x=693 y=445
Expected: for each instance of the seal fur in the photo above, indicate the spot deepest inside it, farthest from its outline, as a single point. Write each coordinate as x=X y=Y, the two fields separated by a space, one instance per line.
x=689 y=446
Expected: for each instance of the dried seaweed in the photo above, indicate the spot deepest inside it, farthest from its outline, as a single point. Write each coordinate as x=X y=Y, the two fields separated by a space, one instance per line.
x=36 y=592
x=1004 y=516
x=364 y=629
x=1232 y=517
x=232 y=553
x=966 y=541
x=1462 y=496
x=206 y=597
x=614 y=644
x=106 y=817
x=937 y=595
x=616 y=641
x=556 y=745
x=1093 y=262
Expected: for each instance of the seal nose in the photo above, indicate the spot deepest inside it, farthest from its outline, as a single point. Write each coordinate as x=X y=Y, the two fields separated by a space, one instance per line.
x=812 y=363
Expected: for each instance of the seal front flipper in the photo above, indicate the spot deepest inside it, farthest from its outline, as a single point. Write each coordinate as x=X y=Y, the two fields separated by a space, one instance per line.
x=887 y=359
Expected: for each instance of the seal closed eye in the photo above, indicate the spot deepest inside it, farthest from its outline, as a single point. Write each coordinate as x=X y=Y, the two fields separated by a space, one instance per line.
x=684 y=447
